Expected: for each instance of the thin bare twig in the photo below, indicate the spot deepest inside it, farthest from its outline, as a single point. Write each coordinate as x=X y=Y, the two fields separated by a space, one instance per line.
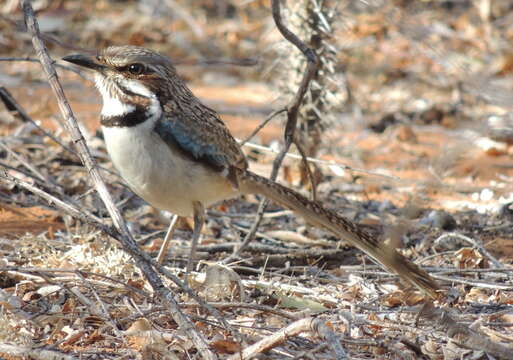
x=27 y=165
x=125 y=237
x=305 y=163
x=257 y=307
x=292 y=113
x=468 y=337
x=56 y=202
x=262 y=125
x=222 y=305
x=12 y=105
x=251 y=233
x=293 y=107
x=21 y=26
x=102 y=310
x=35 y=352
x=78 y=273
x=244 y=62
x=309 y=324
x=475 y=243
x=476 y=283
x=26 y=173
x=97 y=223
x=31 y=59
x=328 y=163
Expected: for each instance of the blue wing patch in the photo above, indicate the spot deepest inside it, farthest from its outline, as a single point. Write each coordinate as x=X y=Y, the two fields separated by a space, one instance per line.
x=174 y=132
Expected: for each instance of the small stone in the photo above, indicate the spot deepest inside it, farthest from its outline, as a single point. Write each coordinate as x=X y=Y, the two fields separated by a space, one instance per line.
x=506 y=211
x=405 y=133
x=439 y=219
x=386 y=206
x=491 y=147
x=431 y=116
x=385 y=122
x=500 y=128
x=486 y=195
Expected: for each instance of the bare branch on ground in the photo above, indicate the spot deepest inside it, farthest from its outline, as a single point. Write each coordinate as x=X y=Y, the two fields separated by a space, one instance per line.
x=317 y=326
x=290 y=127
x=127 y=240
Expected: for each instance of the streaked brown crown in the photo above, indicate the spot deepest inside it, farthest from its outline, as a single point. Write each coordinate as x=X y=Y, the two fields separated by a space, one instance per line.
x=132 y=63
x=119 y=58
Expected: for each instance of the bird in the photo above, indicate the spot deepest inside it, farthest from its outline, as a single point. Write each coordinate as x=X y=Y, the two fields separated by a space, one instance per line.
x=178 y=155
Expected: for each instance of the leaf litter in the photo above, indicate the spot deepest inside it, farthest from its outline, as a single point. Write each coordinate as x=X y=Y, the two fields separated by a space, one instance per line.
x=68 y=287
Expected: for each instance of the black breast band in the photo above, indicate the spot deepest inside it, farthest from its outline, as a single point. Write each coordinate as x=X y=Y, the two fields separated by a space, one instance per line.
x=135 y=117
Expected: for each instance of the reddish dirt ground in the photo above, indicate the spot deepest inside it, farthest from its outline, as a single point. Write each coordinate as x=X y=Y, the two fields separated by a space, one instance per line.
x=15 y=222
x=410 y=154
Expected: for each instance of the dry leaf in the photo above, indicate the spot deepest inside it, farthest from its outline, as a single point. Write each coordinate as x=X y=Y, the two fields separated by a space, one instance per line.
x=476 y=295
x=398 y=298
x=507 y=318
x=297 y=238
x=158 y=351
x=405 y=133
x=469 y=258
x=224 y=346
x=96 y=336
x=72 y=337
x=138 y=284
x=414 y=298
x=394 y=299
x=69 y=306
x=431 y=349
x=300 y=303
x=138 y=327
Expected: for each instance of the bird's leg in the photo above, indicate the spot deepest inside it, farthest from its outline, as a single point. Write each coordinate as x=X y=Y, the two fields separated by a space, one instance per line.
x=165 y=245
x=199 y=220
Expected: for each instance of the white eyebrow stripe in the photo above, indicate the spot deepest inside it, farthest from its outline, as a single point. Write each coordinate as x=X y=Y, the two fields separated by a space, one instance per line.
x=137 y=88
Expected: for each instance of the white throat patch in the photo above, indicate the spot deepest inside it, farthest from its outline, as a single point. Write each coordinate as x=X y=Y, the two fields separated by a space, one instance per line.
x=112 y=106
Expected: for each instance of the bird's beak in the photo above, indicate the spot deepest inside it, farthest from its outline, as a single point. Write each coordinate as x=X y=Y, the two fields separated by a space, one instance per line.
x=86 y=61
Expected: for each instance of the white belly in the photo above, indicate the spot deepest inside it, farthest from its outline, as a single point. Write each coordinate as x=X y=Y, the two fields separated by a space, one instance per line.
x=162 y=177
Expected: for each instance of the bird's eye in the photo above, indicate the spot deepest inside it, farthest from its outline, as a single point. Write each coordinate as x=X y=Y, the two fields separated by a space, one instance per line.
x=136 y=69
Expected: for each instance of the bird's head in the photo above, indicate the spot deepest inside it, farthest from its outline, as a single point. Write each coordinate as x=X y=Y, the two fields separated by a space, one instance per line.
x=129 y=76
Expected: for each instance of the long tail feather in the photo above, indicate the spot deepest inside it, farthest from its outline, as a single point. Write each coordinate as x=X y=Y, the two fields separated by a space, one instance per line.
x=317 y=215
